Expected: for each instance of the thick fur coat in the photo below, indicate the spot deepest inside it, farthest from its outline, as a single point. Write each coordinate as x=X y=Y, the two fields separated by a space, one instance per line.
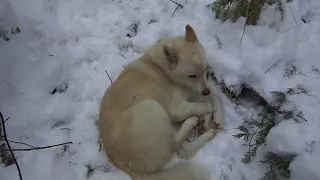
x=138 y=111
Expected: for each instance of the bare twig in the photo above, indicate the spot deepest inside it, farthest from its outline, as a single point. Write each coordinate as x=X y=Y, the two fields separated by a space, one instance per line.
x=91 y=169
x=65 y=149
x=245 y=25
x=7 y=84
x=310 y=95
x=67 y=129
x=22 y=143
x=8 y=145
x=7 y=119
x=273 y=65
x=300 y=115
x=178 y=6
x=230 y=129
x=100 y=146
x=37 y=148
x=108 y=76
x=16 y=142
x=95 y=67
x=244 y=30
x=315 y=96
x=296 y=23
x=175 y=10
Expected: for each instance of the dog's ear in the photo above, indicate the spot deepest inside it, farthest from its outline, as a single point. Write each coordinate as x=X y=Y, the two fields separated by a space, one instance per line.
x=190 y=34
x=171 y=54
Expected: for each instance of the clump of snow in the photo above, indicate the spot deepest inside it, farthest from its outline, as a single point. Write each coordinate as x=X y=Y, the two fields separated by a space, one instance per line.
x=305 y=166
x=280 y=138
x=8 y=19
x=54 y=73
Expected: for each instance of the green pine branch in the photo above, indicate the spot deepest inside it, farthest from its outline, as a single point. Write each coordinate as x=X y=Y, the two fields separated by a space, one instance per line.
x=257 y=129
x=234 y=9
x=276 y=166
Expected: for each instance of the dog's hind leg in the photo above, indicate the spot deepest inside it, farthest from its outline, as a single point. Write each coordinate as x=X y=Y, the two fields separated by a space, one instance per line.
x=187 y=109
x=186 y=129
x=189 y=150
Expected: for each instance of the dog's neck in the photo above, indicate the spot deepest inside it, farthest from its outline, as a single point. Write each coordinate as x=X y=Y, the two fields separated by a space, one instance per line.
x=159 y=59
x=150 y=65
x=158 y=68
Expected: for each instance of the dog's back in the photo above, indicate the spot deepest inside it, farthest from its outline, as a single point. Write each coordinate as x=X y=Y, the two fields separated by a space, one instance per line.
x=134 y=122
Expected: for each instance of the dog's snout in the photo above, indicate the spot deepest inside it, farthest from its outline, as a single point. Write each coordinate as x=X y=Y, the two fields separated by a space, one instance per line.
x=206 y=91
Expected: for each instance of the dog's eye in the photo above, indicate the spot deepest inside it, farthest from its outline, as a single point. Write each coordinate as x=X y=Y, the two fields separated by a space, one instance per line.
x=192 y=76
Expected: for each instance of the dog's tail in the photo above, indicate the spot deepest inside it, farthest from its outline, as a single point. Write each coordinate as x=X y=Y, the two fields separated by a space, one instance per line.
x=183 y=171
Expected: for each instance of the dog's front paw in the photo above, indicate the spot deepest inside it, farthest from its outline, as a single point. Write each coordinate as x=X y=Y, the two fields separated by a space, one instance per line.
x=208 y=107
x=210 y=133
x=217 y=125
x=207 y=116
x=204 y=123
x=199 y=127
x=217 y=122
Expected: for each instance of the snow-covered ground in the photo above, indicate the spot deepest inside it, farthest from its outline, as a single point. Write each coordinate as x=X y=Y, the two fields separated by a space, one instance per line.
x=71 y=44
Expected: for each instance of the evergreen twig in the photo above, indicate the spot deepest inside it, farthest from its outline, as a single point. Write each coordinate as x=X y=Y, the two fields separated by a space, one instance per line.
x=251 y=10
x=255 y=130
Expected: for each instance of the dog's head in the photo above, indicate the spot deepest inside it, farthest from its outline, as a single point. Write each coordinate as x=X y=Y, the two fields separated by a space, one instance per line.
x=187 y=62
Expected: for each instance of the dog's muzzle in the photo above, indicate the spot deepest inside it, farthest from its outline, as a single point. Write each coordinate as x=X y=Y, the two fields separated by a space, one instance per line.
x=206 y=92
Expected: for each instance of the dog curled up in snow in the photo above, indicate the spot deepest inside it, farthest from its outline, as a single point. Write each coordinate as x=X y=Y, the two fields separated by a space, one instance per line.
x=152 y=93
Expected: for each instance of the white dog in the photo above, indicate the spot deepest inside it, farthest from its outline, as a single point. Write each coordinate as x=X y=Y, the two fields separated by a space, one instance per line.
x=150 y=94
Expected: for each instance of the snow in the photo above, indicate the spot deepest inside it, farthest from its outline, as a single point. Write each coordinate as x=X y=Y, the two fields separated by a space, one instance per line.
x=307 y=163
x=286 y=133
x=8 y=18
x=74 y=42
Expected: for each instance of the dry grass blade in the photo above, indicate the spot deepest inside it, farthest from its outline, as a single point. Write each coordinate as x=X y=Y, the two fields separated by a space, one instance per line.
x=8 y=145
x=108 y=76
x=38 y=148
x=178 y=6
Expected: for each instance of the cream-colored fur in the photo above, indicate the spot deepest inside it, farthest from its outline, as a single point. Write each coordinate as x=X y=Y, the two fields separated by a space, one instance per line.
x=150 y=94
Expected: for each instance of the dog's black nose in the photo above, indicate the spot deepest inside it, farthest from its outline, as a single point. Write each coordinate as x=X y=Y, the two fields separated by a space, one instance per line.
x=206 y=92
